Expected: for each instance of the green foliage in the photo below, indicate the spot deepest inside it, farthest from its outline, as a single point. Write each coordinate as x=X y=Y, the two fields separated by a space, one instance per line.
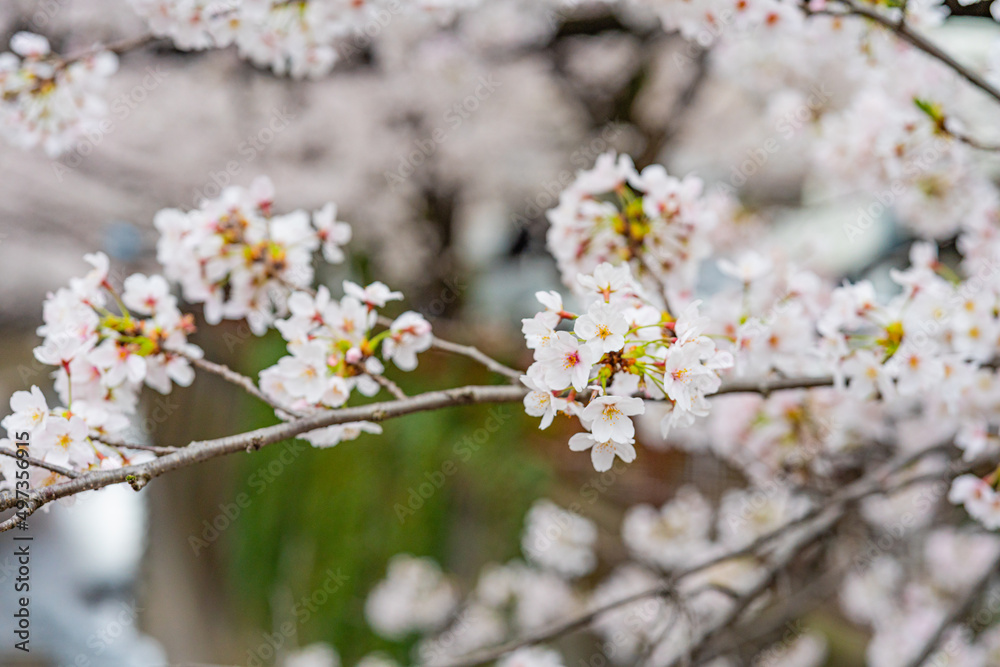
x=453 y=485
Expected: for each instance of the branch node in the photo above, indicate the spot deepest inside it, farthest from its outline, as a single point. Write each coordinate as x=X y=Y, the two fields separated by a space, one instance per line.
x=138 y=481
x=255 y=444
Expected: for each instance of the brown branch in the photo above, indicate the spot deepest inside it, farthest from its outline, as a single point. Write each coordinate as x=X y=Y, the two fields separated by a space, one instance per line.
x=238 y=379
x=830 y=511
x=172 y=458
x=467 y=351
x=746 y=599
x=139 y=475
x=122 y=444
x=765 y=387
x=390 y=386
x=473 y=353
x=118 y=48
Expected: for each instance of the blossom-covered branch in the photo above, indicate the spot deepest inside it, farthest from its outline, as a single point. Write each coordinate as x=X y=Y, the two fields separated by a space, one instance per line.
x=137 y=475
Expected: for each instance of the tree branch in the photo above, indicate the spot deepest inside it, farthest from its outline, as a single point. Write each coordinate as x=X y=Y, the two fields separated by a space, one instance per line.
x=238 y=379
x=118 y=48
x=121 y=444
x=140 y=474
x=473 y=353
x=765 y=387
x=38 y=463
x=390 y=386
x=831 y=510
x=172 y=458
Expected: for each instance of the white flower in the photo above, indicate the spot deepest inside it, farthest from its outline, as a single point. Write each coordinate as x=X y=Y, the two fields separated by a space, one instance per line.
x=566 y=362
x=607 y=417
x=686 y=380
x=333 y=235
x=413 y=597
x=148 y=295
x=314 y=655
x=973 y=438
x=608 y=174
x=352 y=319
x=305 y=372
x=745 y=515
x=50 y=102
x=30 y=411
x=603 y=453
x=90 y=288
x=64 y=442
x=409 y=334
x=559 y=540
x=554 y=308
x=607 y=280
x=29 y=45
x=375 y=295
x=604 y=327
x=117 y=362
x=532 y=656
x=867 y=375
x=333 y=435
x=673 y=536
x=539 y=402
x=981 y=500
x=538 y=331
x=750 y=266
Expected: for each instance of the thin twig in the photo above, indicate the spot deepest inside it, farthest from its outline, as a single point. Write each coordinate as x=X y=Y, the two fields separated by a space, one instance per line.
x=38 y=463
x=467 y=351
x=119 y=47
x=122 y=444
x=764 y=388
x=390 y=386
x=475 y=354
x=238 y=379
x=974 y=143
x=817 y=530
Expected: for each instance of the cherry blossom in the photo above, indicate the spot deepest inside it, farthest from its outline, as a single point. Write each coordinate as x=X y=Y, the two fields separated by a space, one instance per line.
x=409 y=334
x=603 y=452
x=559 y=540
x=414 y=597
x=49 y=102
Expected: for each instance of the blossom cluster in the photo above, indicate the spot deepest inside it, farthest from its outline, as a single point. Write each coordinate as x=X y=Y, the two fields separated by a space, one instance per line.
x=298 y=39
x=104 y=345
x=660 y=225
x=861 y=127
x=48 y=101
x=332 y=351
x=910 y=366
x=621 y=349
x=239 y=259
